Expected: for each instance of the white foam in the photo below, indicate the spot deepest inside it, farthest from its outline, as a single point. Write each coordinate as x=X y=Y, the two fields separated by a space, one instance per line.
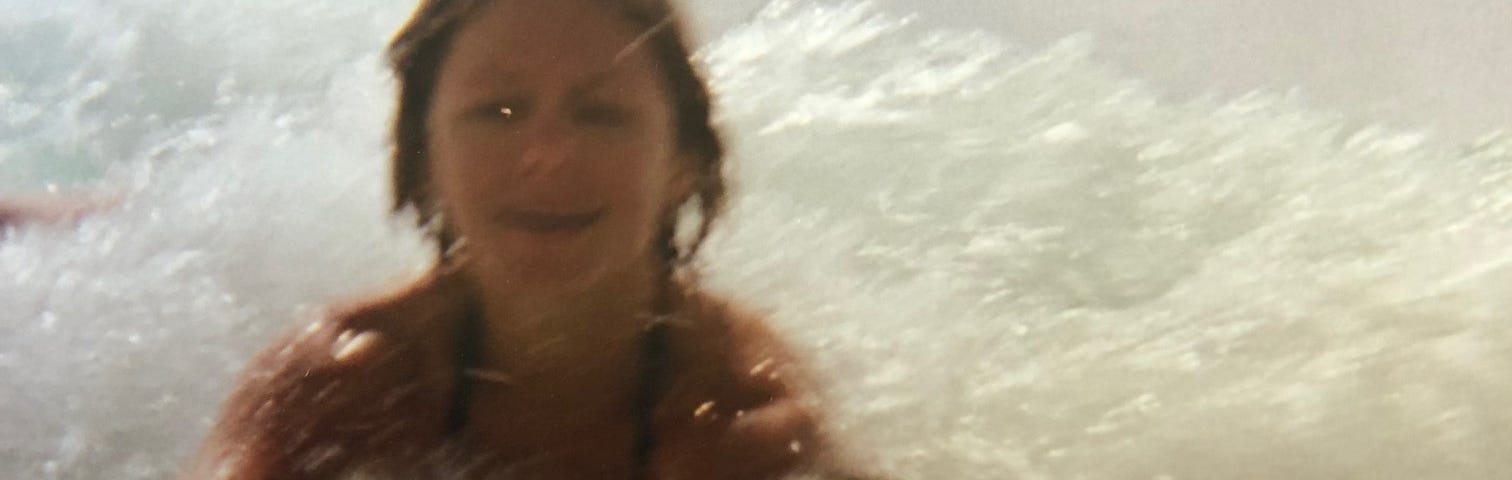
x=1004 y=262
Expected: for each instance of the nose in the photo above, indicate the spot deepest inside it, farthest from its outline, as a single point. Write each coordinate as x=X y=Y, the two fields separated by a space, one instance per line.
x=549 y=146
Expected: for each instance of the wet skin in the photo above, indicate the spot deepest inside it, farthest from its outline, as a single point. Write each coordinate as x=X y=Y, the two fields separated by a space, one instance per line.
x=49 y=209
x=369 y=387
x=554 y=156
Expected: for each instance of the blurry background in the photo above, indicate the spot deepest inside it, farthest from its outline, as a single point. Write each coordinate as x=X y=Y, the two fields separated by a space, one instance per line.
x=1205 y=240
x=1442 y=64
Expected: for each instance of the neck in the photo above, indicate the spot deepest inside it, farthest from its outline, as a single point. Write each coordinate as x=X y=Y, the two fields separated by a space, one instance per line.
x=542 y=332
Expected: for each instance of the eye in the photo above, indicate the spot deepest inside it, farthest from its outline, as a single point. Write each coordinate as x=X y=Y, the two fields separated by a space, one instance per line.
x=503 y=112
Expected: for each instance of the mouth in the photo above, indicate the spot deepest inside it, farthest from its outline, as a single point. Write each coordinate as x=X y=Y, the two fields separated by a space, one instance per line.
x=538 y=221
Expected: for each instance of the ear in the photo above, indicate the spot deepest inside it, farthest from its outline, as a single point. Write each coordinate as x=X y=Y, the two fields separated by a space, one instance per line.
x=683 y=180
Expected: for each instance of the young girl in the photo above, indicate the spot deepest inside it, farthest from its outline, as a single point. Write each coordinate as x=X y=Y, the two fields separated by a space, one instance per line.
x=550 y=147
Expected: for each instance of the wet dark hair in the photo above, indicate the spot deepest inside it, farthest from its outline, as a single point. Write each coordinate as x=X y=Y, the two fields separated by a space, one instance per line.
x=419 y=49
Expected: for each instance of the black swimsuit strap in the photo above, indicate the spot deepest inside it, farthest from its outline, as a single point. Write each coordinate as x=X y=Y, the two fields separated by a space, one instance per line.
x=469 y=344
x=654 y=366
x=651 y=381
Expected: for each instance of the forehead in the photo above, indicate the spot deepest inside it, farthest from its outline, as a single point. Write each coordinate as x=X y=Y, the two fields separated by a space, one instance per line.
x=567 y=39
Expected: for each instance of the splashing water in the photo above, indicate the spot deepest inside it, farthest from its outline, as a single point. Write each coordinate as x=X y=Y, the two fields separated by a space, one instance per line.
x=1005 y=263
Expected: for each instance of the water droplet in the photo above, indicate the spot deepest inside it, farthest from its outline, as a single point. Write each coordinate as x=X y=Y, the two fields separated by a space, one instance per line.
x=349 y=346
x=704 y=410
x=762 y=367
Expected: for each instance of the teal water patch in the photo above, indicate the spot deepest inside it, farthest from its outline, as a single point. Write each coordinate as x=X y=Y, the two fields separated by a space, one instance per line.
x=52 y=129
x=86 y=87
x=1004 y=263
x=47 y=166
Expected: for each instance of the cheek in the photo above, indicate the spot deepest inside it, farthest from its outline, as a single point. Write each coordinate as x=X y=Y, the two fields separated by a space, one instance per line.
x=458 y=193
x=636 y=191
x=639 y=184
x=460 y=174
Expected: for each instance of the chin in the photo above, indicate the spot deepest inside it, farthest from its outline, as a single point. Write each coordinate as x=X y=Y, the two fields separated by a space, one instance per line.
x=544 y=277
x=534 y=267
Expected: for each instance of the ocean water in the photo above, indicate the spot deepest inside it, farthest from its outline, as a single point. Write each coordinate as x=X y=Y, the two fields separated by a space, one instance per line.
x=1005 y=262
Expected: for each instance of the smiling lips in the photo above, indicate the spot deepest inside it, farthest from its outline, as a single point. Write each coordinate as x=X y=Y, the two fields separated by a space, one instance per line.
x=549 y=222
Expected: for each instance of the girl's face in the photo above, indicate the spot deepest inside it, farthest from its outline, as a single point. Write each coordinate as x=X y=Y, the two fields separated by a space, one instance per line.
x=552 y=144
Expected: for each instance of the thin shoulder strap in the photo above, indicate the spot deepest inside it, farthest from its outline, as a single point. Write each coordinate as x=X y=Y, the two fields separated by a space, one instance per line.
x=651 y=382
x=469 y=345
x=654 y=366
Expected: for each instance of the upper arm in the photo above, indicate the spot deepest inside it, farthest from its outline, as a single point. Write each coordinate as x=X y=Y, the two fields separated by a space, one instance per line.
x=51 y=208
x=740 y=406
x=745 y=360
x=784 y=416
x=788 y=421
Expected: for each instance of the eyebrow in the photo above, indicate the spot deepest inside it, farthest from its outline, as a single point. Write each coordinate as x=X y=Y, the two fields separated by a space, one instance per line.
x=595 y=80
x=491 y=76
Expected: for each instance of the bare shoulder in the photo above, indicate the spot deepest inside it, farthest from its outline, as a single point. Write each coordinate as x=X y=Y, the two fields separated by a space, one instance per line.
x=726 y=341
x=749 y=396
x=363 y=380
x=739 y=406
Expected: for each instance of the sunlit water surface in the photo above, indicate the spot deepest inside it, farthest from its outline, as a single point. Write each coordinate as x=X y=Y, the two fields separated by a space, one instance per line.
x=1005 y=263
